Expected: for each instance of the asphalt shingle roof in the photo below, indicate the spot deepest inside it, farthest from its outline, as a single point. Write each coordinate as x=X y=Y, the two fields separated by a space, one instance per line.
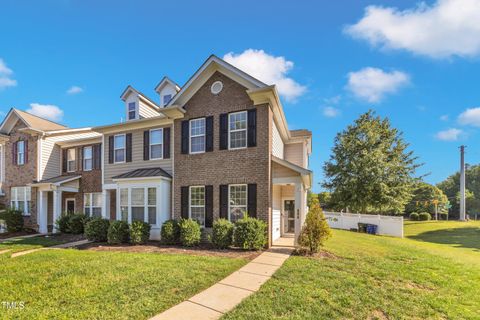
x=144 y=173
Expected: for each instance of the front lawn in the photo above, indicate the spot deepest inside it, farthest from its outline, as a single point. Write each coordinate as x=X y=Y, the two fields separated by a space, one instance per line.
x=76 y=284
x=15 y=245
x=373 y=277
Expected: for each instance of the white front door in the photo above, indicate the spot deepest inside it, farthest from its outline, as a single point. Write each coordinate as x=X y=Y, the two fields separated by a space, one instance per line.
x=288 y=216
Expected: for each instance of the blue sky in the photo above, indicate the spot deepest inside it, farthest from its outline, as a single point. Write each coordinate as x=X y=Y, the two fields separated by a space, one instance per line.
x=417 y=65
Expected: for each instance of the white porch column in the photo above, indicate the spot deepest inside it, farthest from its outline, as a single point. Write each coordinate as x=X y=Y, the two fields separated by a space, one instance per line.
x=300 y=208
x=42 y=212
x=57 y=207
x=105 y=204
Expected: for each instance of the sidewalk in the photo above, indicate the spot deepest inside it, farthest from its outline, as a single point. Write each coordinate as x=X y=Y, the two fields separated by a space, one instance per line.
x=225 y=295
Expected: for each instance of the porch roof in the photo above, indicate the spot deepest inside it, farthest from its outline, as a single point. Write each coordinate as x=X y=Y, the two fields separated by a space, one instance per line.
x=143 y=173
x=305 y=174
x=59 y=180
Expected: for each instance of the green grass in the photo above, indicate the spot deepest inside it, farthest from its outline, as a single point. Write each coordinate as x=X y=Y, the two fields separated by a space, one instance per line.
x=16 y=245
x=432 y=274
x=74 y=284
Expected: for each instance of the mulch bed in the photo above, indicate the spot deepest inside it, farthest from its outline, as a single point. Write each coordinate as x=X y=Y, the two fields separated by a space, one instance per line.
x=156 y=247
x=15 y=234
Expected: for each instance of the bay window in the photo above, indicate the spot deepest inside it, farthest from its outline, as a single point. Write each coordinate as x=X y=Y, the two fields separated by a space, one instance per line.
x=92 y=204
x=124 y=205
x=237 y=130
x=152 y=206
x=21 y=199
x=197 y=135
x=197 y=204
x=138 y=204
x=156 y=144
x=237 y=201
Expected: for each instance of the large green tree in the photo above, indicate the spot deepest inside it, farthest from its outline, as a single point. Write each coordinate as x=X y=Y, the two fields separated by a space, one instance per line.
x=423 y=199
x=370 y=169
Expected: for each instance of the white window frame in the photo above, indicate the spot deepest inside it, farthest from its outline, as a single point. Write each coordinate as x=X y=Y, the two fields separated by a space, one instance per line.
x=229 y=197
x=150 y=144
x=164 y=96
x=190 y=206
x=124 y=148
x=237 y=130
x=74 y=160
x=27 y=197
x=85 y=158
x=135 y=110
x=91 y=206
x=146 y=206
x=20 y=163
x=197 y=135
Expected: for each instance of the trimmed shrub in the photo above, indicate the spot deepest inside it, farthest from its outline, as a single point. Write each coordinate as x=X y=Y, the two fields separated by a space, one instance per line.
x=250 y=234
x=139 y=232
x=62 y=223
x=424 y=216
x=14 y=220
x=315 y=230
x=222 y=233
x=190 y=233
x=117 y=232
x=414 y=216
x=170 y=232
x=97 y=229
x=76 y=223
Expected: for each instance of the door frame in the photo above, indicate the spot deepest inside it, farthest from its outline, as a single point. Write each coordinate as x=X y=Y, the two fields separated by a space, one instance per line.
x=74 y=204
x=282 y=216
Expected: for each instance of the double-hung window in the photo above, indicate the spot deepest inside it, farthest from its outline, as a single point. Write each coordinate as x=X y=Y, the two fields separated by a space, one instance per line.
x=124 y=204
x=197 y=135
x=152 y=205
x=20 y=152
x=138 y=204
x=21 y=199
x=237 y=201
x=132 y=111
x=119 y=148
x=92 y=204
x=197 y=204
x=237 y=130
x=87 y=158
x=71 y=160
x=156 y=144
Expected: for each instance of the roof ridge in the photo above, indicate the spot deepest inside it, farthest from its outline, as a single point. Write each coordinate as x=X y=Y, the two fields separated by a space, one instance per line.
x=34 y=115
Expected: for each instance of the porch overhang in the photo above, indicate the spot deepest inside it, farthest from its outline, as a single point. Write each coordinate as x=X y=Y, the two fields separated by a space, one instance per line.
x=63 y=183
x=143 y=174
x=292 y=174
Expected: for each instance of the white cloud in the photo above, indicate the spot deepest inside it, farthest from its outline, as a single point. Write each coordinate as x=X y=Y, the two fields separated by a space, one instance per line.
x=451 y=134
x=47 y=111
x=372 y=84
x=444 y=117
x=333 y=100
x=74 y=90
x=5 y=76
x=331 y=112
x=444 y=29
x=470 y=117
x=269 y=69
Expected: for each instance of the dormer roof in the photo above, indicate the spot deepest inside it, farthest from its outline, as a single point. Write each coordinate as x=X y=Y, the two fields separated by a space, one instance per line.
x=131 y=90
x=164 y=82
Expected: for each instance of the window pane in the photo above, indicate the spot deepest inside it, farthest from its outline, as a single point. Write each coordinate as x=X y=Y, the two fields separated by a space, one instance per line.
x=21 y=146
x=198 y=214
x=87 y=164
x=138 y=214
x=152 y=215
x=21 y=206
x=167 y=98
x=156 y=136
x=131 y=106
x=119 y=155
x=238 y=195
x=156 y=151
x=86 y=210
x=138 y=197
x=124 y=197
x=20 y=193
x=87 y=153
x=28 y=193
x=198 y=144
x=96 y=212
x=236 y=213
x=152 y=196
x=238 y=121
x=97 y=200
x=238 y=139
x=14 y=193
x=71 y=154
x=124 y=213
x=86 y=200
x=197 y=127
x=197 y=196
x=119 y=142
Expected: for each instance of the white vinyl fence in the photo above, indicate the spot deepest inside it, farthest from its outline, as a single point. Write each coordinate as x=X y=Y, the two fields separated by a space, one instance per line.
x=386 y=225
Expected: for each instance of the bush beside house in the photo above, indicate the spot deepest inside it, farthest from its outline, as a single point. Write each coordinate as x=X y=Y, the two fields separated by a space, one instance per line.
x=13 y=220
x=190 y=233
x=315 y=231
x=250 y=234
x=97 y=229
x=118 y=232
x=139 y=232
x=170 y=232
x=222 y=233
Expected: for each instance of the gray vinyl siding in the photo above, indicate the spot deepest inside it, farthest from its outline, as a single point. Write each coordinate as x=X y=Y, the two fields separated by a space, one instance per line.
x=146 y=112
x=114 y=169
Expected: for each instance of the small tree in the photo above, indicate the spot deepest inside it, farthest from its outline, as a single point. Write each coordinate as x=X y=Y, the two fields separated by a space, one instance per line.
x=316 y=230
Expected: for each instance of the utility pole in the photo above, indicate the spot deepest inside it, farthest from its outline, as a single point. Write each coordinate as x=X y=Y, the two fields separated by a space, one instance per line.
x=462 y=183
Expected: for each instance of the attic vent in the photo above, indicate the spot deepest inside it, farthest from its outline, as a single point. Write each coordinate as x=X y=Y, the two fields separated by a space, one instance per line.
x=217 y=87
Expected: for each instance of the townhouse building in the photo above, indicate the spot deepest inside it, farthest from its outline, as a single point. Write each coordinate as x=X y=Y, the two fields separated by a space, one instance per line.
x=217 y=147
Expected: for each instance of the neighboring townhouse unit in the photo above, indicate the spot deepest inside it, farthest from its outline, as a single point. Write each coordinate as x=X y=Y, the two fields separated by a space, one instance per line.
x=218 y=147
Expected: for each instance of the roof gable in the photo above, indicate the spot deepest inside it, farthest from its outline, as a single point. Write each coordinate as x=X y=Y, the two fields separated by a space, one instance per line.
x=166 y=81
x=30 y=121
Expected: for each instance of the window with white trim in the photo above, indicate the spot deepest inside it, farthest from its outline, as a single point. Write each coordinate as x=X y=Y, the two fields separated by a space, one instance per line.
x=132 y=111
x=237 y=201
x=156 y=144
x=197 y=135
x=87 y=158
x=197 y=204
x=20 y=199
x=237 y=130
x=119 y=148
x=166 y=99
x=71 y=160
x=138 y=204
x=92 y=204
x=20 y=152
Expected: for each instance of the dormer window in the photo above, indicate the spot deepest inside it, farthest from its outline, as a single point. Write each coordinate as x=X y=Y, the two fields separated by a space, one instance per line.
x=132 y=111
x=166 y=99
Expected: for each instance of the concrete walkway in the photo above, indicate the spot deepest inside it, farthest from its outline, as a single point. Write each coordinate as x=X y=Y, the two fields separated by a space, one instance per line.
x=4 y=251
x=225 y=295
x=23 y=237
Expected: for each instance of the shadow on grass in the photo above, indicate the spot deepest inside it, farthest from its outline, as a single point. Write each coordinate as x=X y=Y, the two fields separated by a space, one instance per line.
x=459 y=237
x=37 y=242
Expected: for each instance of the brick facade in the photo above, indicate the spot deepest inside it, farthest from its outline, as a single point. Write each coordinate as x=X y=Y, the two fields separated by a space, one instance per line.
x=21 y=175
x=250 y=165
